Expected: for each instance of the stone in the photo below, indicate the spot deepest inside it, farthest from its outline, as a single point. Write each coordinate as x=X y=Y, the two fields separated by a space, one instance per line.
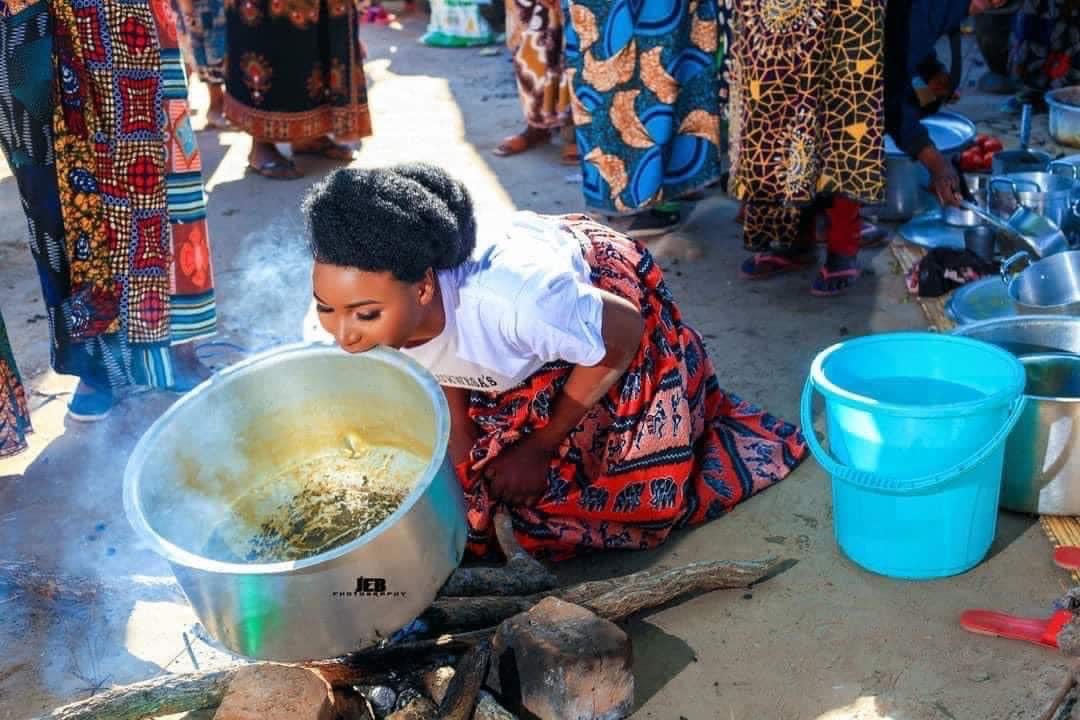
x=488 y=708
x=559 y=661
x=382 y=699
x=436 y=682
x=269 y=691
x=414 y=706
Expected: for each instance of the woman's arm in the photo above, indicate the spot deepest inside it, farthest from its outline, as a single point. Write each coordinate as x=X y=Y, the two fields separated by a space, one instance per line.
x=462 y=429
x=519 y=475
x=621 y=328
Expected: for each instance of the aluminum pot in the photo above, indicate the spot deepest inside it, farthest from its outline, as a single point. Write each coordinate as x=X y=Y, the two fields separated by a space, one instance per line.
x=906 y=179
x=1064 y=104
x=270 y=412
x=1043 y=451
x=1047 y=193
x=1042 y=469
x=1050 y=286
x=1023 y=159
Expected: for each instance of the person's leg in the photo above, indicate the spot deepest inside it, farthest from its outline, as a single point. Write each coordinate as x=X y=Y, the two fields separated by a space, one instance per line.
x=215 y=114
x=532 y=31
x=842 y=240
x=266 y=160
x=324 y=146
x=782 y=238
x=655 y=221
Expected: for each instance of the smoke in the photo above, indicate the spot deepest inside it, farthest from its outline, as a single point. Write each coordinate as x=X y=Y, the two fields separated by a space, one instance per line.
x=266 y=292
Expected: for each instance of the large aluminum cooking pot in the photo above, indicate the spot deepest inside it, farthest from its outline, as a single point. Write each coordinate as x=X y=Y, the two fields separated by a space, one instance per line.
x=1050 y=286
x=1042 y=465
x=270 y=412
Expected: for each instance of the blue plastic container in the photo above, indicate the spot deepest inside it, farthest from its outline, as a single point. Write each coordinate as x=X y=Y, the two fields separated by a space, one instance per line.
x=916 y=424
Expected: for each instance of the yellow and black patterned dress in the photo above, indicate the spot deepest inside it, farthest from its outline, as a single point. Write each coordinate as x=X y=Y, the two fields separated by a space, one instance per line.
x=807 y=97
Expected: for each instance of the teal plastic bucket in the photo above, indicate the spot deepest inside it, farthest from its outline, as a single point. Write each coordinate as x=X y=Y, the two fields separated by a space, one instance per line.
x=916 y=424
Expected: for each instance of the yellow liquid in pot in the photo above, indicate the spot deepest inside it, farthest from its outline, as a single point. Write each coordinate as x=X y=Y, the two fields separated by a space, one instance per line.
x=316 y=505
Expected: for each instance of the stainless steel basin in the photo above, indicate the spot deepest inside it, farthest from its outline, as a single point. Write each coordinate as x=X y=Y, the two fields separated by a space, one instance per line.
x=270 y=412
x=1042 y=454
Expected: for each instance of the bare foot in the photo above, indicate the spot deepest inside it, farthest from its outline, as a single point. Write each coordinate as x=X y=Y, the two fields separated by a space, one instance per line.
x=325 y=147
x=215 y=114
x=266 y=160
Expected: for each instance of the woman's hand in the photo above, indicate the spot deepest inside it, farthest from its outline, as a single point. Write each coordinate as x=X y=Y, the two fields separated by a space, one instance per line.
x=519 y=475
x=943 y=178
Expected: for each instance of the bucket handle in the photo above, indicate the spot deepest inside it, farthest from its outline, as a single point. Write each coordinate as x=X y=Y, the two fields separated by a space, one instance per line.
x=875 y=481
x=1007 y=266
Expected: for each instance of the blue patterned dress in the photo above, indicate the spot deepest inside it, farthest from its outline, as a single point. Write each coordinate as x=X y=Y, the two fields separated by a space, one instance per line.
x=646 y=98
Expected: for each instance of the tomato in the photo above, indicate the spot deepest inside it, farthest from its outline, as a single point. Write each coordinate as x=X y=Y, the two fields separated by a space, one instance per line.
x=970 y=160
x=991 y=146
x=987 y=162
x=981 y=138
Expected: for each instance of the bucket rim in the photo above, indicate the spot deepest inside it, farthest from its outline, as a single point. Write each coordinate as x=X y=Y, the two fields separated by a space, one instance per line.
x=1007 y=394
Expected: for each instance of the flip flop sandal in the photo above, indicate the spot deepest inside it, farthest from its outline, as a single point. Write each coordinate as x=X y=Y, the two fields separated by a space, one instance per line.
x=327 y=148
x=1038 y=631
x=570 y=155
x=283 y=169
x=515 y=145
x=766 y=265
x=821 y=285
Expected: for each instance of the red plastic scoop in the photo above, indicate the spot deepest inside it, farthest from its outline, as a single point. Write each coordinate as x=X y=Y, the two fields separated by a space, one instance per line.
x=1040 y=631
x=1067 y=557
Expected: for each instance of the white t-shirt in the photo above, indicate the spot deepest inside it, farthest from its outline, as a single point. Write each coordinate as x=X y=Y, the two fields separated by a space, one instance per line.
x=519 y=303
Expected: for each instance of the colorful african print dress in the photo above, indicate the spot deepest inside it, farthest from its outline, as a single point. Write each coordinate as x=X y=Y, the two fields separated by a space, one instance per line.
x=95 y=130
x=534 y=34
x=666 y=448
x=202 y=23
x=807 y=100
x=294 y=70
x=1045 y=52
x=645 y=97
x=14 y=413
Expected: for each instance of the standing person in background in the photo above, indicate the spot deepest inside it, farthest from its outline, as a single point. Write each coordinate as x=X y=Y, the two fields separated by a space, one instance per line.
x=534 y=34
x=807 y=132
x=95 y=128
x=912 y=28
x=294 y=73
x=202 y=22
x=646 y=103
x=1045 y=53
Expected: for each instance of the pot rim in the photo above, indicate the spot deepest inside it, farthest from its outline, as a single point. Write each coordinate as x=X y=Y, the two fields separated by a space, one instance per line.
x=1035 y=357
x=1051 y=99
x=1041 y=309
x=174 y=554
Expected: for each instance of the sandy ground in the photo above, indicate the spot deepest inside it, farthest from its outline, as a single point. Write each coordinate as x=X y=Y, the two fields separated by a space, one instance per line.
x=823 y=639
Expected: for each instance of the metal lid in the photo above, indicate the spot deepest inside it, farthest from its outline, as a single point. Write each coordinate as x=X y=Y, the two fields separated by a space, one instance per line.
x=949 y=132
x=930 y=231
x=985 y=299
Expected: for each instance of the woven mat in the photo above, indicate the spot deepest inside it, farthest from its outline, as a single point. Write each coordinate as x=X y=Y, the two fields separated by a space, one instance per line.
x=1061 y=530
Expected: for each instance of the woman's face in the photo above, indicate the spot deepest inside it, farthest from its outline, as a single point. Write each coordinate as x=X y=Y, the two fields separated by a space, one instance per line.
x=363 y=309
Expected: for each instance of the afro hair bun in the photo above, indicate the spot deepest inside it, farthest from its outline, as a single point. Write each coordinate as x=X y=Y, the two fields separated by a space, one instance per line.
x=402 y=219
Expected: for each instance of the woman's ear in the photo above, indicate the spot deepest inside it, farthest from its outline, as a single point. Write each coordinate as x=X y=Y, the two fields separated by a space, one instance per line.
x=426 y=287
